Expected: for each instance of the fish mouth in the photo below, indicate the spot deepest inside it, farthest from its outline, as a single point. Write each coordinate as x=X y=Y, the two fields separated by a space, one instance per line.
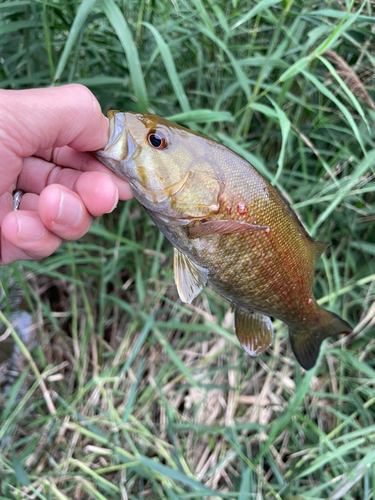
x=120 y=147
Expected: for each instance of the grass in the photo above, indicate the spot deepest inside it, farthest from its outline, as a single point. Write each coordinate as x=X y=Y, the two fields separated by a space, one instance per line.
x=151 y=398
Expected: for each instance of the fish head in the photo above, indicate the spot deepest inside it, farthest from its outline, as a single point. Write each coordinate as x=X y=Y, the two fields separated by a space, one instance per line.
x=154 y=155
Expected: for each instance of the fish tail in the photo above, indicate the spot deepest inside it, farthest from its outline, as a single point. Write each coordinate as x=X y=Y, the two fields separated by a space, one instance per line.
x=306 y=342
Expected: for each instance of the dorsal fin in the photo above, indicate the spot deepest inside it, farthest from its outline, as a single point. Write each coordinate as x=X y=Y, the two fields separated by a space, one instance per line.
x=318 y=248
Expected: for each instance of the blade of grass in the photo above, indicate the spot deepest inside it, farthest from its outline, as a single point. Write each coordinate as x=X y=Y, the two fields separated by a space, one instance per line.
x=83 y=11
x=202 y=116
x=170 y=67
x=242 y=78
x=282 y=422
x=119 y=24
x=259 y=7
x=174 y=474
x=364 y=165
x=285 y=129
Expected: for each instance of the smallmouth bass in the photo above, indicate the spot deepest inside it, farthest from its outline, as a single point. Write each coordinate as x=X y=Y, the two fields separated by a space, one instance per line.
x=229 y=227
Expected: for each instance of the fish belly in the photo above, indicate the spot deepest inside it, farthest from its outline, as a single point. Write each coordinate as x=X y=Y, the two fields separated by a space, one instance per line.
x=246 y=270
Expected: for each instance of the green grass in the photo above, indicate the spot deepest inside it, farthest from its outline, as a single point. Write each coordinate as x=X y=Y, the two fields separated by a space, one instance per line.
x=151 y=398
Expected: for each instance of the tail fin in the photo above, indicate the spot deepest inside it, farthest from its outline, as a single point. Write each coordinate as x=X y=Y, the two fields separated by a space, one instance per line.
x=306 y=342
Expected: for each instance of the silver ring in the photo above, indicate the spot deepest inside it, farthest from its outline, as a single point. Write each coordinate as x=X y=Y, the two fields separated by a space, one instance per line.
x=17 y=196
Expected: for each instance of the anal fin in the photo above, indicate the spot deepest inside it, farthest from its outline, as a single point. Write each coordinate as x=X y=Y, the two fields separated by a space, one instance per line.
x=189 y=277
x=254 y=331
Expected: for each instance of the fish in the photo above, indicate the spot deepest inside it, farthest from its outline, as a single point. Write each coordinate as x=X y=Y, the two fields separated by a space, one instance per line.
x=230 y=228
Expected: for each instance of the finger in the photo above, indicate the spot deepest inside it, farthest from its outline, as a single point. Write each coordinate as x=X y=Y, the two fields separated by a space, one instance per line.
x=24 y=237
x=29 y=201
x=98 y=192
x=37 y=119
x=37 y=173
x=94 y=193
x=63 y=212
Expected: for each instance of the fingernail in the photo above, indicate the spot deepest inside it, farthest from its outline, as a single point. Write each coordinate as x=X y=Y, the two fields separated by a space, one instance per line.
x=70 y=210
x=29 y=228
x=115 y=202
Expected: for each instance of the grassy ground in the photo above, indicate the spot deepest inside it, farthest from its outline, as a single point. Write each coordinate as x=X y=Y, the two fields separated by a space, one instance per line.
x=154 y=399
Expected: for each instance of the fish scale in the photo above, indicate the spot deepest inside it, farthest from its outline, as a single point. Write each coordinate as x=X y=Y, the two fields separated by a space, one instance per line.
x=229 y=227
x=235 y=258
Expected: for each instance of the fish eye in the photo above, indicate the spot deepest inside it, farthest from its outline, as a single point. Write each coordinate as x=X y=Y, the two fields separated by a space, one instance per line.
x=157 y=139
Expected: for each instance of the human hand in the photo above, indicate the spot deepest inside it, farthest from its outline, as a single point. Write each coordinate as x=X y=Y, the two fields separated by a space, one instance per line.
x=44 y=136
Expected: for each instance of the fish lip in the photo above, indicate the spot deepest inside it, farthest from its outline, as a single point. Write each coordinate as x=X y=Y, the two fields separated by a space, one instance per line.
x=120 y=148
x=117 y=125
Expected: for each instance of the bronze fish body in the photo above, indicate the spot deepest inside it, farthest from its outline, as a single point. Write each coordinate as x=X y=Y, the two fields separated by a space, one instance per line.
x=229 y=228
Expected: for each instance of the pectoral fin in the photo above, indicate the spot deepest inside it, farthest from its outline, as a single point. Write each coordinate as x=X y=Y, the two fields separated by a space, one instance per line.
x=223 y=227
x=189 y=277
x=254 y=331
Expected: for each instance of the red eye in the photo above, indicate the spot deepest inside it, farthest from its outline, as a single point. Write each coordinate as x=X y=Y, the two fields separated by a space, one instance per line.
x=157 y=139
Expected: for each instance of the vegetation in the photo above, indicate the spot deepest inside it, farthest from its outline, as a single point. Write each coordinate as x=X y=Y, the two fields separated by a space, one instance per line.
x=130 y=393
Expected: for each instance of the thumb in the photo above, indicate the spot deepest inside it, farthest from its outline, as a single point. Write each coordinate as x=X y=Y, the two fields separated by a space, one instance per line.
x=38 y=119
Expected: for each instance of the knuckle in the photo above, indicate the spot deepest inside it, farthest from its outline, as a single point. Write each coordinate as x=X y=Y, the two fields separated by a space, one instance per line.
x=53 y=176
x=85 y=95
